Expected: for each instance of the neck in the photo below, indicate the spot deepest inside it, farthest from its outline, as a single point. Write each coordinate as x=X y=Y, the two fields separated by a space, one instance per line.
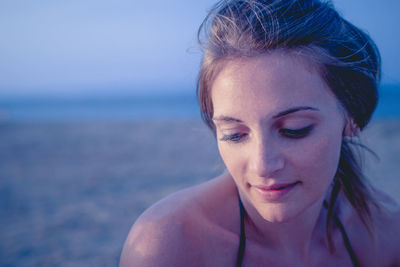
x=297 y=235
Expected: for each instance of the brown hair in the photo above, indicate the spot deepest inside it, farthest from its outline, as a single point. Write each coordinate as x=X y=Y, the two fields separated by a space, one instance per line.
x=347 y=58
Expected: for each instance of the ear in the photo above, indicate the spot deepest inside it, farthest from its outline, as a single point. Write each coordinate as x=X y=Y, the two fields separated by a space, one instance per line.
x=351 y=129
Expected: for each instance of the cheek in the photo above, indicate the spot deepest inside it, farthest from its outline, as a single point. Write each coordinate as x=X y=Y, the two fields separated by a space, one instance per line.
x=232 y=158
x=319 y=159
x=227 y=155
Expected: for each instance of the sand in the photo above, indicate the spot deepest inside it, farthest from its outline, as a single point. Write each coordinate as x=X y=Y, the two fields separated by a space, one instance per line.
x=69 y=192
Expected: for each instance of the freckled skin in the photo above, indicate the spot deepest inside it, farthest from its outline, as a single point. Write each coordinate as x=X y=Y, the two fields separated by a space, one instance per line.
x=200 y=226
x=254 y=90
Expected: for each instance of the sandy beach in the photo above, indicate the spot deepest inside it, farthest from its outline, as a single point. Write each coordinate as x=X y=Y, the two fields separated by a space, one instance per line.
x=69 y=192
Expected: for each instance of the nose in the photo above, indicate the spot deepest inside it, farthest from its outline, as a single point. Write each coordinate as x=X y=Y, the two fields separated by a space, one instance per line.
x=266 y=159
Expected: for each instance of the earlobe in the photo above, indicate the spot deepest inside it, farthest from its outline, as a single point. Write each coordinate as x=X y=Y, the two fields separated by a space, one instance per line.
x=351 y=129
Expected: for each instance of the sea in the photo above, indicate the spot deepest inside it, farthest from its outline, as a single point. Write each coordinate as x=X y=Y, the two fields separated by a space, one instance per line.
x=139 y=106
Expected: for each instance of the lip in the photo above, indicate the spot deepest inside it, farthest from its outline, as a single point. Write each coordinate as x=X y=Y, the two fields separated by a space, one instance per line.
x=274 y=192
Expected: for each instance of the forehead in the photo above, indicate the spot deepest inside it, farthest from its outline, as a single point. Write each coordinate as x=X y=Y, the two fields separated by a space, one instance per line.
x=269 y=83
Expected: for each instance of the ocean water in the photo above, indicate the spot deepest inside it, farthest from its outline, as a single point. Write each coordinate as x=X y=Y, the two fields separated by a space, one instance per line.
x=72 y=108
x=389 y=102
x=137 y=107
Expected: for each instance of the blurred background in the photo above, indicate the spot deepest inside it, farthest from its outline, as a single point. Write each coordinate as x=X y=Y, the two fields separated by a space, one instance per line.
x=98 y=119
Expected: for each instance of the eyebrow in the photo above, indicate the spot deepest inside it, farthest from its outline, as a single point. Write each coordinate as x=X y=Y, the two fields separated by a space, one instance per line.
x=293 y=110
x=280 y=114
x=226 y=118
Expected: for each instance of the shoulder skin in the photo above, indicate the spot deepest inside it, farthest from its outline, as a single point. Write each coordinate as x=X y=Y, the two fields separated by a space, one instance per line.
x=177 y=230
x=387 y=223
x=382 y=247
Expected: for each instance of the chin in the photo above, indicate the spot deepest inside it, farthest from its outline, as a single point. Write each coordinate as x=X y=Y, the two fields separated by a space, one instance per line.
x=279 y=212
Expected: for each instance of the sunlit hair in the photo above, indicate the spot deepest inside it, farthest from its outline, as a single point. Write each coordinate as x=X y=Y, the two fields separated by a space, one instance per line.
x=346 y=58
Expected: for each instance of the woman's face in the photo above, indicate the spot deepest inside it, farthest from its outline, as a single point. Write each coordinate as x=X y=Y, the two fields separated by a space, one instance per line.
x=279 y=131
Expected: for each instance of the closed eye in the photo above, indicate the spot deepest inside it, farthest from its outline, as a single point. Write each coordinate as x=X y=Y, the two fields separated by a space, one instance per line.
x=235 y=138
x=296 y=133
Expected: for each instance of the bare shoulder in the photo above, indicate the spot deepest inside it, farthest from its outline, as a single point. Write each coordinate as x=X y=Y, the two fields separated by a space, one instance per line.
x=157 y=236
x=386 y=219
x=174 y=230
x=379 y=246
x=386 y=215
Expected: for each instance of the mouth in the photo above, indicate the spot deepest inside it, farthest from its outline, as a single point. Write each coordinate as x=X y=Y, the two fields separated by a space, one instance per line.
x=274 y=192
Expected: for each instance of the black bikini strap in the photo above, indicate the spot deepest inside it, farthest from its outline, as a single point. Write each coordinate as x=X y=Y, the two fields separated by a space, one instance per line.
x=346 y=240
x=242 y=244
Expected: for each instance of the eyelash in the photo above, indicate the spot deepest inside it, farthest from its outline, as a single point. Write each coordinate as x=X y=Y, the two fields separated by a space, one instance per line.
x=289 y=133
x=297 y=133
x=235 y=138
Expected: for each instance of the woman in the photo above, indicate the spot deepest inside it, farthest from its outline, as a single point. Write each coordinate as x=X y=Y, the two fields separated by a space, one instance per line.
x=285 y=86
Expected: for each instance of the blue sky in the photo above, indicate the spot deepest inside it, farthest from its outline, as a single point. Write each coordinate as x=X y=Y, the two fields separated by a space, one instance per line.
x=87 y=46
